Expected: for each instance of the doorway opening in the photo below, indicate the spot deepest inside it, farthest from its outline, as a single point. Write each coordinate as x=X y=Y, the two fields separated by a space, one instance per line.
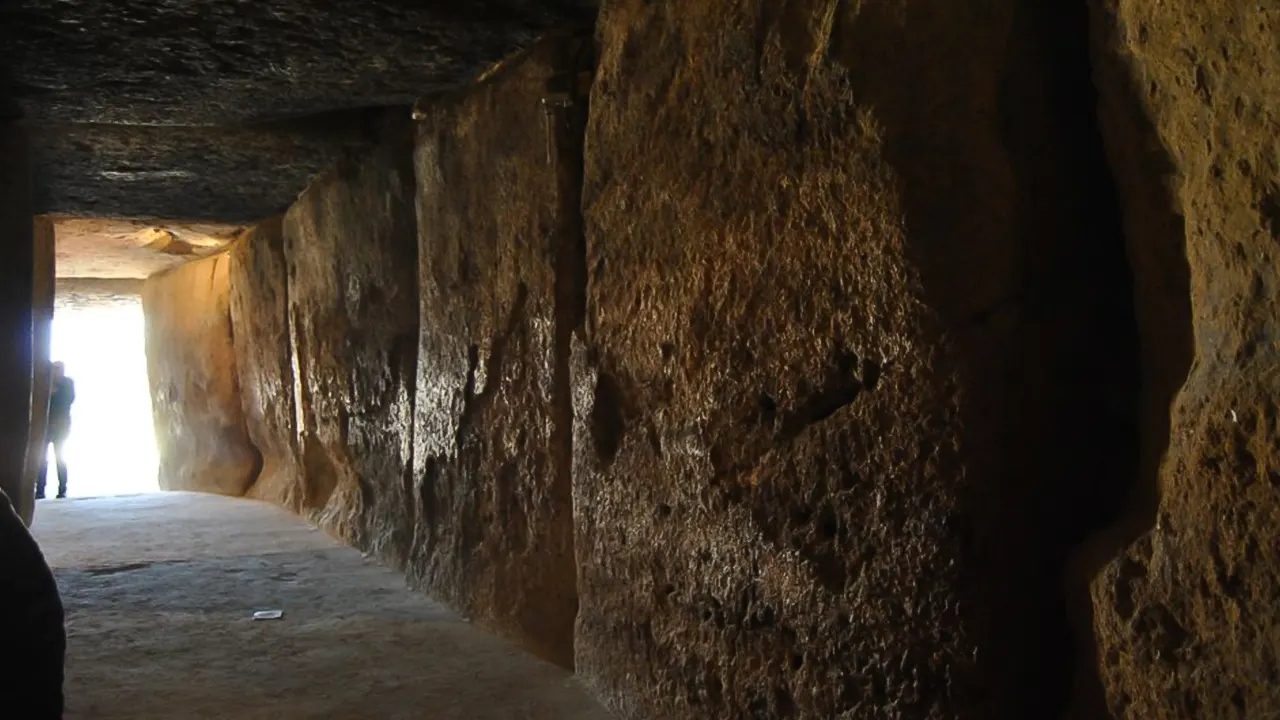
x=99 y=334
x=111 y=449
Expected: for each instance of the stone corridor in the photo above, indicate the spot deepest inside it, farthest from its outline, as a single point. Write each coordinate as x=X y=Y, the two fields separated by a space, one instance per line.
x=741 y=359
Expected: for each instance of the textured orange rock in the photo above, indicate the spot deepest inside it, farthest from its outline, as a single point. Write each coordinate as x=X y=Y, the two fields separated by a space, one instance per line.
x=1184 y=614
x=118 y=249
x=260 y=318
x=499 y=231
x=195 y=392
x=350 y=249
x=825 y=259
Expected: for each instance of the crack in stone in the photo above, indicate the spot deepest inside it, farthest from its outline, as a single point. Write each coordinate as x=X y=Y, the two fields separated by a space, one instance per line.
x=117 y=569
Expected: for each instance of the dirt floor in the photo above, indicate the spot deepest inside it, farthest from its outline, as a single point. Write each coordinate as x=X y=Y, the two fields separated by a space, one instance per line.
x=160 y=592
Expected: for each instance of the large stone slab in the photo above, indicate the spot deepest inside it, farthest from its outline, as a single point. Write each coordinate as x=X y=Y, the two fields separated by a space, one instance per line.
x=350 y=249
x=42 y=303
x=109 y=249
x=195 y=388
x=225 y=62
x=226 y=175
x=844 y=301
x=264 y=361
x=96 y=292
x=17 y=290
x=500 y=233
x=198 y=119
x=37 y=638
x=1184 y=609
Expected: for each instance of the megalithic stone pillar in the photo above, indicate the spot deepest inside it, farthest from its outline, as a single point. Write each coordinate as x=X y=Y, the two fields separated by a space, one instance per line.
x=42 y=346
x=17 y=262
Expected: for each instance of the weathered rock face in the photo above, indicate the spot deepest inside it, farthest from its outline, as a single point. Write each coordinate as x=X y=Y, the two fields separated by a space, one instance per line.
x=41 y=347
x=501 y=291
x=235 y=175
x=829 y=268
x=1183 y=614
x=142 y=116
x=852 y=353
x=264 y=362
x=195 y=391
x=253 y=62
x=79 y=293
x=350 y=249
x=110 y=249
x=16 y=293
x=36 y=642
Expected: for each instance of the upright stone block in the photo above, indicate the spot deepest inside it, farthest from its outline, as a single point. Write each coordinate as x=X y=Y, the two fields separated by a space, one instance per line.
x=838 y=307
x=350 y=249
x=499 y=177
x=195 y=389
x=42 y=344
x=264 y=359
x=1184 y=602
x=17 y=251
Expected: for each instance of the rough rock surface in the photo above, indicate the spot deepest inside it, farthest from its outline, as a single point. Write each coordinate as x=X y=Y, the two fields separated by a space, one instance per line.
x=36 y=640
x=824 y=262
x=500 y=239
x=140 y=62
x=16 y=293
x=260 y=317
x=96 y=292
x=1185 y=613
x=232 y=175
x=195 y=393
x=42 y=303
x=350 y=248
x=109 y=249
x=155 y=109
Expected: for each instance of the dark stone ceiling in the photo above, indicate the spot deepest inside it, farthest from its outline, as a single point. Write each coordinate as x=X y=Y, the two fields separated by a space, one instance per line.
x=222 y=110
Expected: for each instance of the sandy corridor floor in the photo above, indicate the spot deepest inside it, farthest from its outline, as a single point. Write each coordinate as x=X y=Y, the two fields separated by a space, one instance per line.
x=160 y=592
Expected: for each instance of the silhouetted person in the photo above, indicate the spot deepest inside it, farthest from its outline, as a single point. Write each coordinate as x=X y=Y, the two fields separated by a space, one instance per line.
x=61 y=395
x=33 y=638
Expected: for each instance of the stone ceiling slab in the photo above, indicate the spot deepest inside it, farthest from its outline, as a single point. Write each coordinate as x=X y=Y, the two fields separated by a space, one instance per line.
x=223 y=110
x=220 y=62
x=211 y=174
x=84 y=293
x=128 y=249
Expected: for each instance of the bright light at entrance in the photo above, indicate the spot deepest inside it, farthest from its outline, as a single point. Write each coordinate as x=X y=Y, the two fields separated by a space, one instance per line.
x=112 y=447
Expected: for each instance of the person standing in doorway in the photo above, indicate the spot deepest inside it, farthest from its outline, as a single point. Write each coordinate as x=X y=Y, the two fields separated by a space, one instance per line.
x=61 y=395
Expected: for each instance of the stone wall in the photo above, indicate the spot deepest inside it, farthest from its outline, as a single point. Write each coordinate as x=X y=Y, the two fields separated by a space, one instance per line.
x=96 y=292
x=42 y=345
x=195 y=392
x=499 y=231
x=842 y=304
x=264 y=363
x=350 y=255
x=1190 y=101
x=333 y=337
x=16 y=293
x=869 y=356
